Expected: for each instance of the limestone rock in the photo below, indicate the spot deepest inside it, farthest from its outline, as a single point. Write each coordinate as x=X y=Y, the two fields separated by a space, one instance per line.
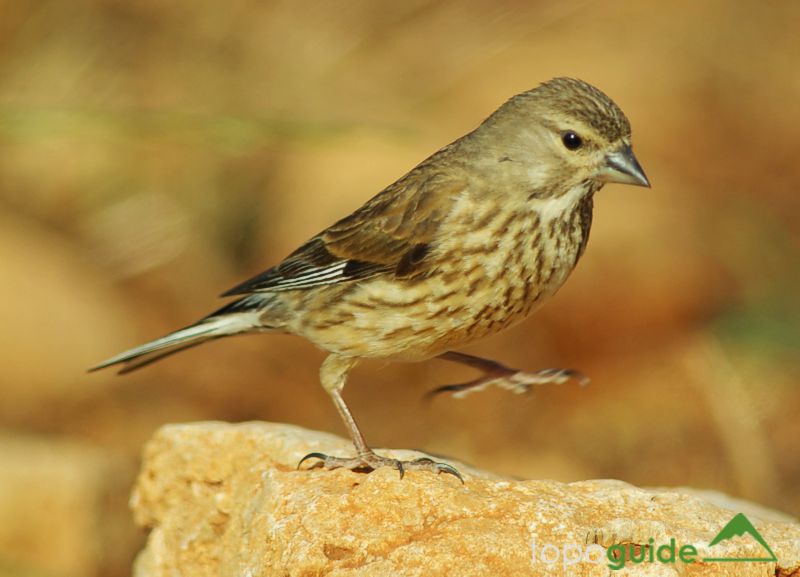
x=227 y=500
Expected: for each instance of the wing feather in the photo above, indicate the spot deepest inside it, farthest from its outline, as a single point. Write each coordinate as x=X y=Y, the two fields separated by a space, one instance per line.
x=391 y=230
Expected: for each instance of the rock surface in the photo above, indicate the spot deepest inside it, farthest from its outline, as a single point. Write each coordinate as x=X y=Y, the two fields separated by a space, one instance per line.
x=227 y=500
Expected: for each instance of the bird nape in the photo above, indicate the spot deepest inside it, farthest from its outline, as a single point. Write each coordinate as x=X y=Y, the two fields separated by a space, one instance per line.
x=467 y=243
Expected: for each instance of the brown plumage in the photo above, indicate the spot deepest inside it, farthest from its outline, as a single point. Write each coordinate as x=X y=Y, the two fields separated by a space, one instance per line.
x=464 y=245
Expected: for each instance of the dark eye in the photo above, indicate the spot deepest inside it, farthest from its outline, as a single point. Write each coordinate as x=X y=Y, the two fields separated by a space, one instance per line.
x=571 y=140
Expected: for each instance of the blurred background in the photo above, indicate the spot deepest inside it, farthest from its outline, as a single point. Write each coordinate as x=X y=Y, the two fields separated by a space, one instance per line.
x=153 y=154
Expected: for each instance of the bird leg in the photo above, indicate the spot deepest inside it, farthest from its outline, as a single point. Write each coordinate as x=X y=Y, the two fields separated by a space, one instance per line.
x=502 y=376
x=333 y=374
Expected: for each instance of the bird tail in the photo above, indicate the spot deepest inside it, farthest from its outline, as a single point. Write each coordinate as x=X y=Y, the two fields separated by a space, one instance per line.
x=229 y=320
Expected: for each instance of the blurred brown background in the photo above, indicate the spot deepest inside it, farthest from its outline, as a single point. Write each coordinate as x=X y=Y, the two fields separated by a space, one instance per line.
x=154 y=153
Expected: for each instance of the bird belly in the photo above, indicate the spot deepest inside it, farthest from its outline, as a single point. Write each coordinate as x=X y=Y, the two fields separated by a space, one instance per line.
x=474 y=289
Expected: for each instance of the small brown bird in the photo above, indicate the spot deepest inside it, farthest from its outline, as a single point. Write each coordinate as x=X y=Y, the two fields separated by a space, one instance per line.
x=464 y=245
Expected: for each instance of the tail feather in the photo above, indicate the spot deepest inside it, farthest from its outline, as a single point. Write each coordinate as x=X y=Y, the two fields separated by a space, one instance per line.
x=148 y=358
x=209 y=328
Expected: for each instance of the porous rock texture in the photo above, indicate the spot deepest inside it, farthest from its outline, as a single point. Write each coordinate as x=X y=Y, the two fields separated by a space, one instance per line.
x=227 y=500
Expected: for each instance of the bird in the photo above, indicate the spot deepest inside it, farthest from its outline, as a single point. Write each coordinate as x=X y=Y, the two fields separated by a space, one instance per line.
x=464 y=245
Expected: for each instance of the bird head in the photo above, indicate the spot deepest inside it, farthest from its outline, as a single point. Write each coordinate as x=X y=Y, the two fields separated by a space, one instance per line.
x=563 y=134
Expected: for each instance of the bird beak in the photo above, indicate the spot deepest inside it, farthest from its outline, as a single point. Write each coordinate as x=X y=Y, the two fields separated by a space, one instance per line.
x=621 y=166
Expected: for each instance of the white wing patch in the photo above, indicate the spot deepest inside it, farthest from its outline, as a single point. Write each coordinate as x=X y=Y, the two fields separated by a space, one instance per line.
x=312 y=276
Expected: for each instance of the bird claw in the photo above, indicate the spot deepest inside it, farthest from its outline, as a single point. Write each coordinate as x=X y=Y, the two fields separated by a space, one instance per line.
x=370 y=461
x=515 y=381
x=521 y=382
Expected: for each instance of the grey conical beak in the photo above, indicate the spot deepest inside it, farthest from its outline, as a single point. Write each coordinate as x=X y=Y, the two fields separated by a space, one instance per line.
x=622 y=167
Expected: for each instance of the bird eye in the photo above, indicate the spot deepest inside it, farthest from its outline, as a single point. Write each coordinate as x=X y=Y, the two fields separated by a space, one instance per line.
x=571 y=140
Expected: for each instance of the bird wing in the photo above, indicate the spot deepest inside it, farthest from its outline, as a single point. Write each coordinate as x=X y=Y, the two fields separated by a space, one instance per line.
x=391 y=233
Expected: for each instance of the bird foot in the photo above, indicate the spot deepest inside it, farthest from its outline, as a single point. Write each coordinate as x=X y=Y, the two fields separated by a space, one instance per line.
x=512 y=380
x=370 y=461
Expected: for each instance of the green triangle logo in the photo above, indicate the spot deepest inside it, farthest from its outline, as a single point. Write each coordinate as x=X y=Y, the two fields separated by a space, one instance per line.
x=736 y=527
